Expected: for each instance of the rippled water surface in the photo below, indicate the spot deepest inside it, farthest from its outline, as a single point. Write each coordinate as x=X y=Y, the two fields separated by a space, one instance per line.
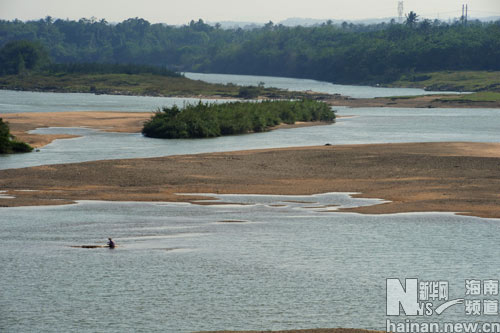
x=282 y=262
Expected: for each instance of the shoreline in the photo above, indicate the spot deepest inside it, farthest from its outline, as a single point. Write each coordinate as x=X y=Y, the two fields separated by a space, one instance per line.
x=457 y=177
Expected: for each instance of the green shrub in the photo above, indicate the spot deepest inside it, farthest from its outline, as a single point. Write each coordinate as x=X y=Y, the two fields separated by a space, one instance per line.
x=249 y=92
x=8 y=144
x=212 y=120
x=20 y=147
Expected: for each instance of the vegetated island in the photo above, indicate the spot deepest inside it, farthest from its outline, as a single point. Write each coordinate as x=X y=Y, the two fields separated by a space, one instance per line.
x=205 y=120
x=8 y=143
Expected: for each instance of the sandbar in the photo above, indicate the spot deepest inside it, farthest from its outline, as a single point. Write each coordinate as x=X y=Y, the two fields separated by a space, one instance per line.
x=21 y=123
x=459 y=177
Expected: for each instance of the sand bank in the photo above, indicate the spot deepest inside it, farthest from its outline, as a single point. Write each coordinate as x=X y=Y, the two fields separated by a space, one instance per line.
x=415 y=177
x=21 y=123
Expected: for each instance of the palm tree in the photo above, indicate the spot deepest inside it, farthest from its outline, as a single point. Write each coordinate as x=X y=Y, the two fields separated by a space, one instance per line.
x=411 y=19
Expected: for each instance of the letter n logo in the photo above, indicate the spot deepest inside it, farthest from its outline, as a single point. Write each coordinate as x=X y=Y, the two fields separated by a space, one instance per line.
x=406 y=296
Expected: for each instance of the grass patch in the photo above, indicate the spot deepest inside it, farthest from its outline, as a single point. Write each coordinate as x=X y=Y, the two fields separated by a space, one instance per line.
x=473 y=81
x=401 y=97
x=484 y=96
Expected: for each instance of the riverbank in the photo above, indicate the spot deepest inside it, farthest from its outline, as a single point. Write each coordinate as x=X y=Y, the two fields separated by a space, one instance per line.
x=414 y=177
x=141 y=85
x=425 y=101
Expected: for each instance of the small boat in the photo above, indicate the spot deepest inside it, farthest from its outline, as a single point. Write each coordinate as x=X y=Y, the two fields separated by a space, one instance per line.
x=92 y=246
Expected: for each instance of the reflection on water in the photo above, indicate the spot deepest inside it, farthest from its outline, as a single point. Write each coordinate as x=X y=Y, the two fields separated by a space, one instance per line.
x=177 y=268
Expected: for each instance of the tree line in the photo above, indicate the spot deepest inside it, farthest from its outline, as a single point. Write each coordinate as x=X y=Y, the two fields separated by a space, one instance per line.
x=346 y=53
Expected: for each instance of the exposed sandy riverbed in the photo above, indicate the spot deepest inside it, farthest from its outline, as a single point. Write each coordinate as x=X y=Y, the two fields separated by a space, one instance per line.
x=21 y=123
x=415 y=177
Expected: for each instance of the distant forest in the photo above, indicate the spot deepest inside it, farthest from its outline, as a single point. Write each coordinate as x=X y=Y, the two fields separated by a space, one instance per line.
x=345 y=53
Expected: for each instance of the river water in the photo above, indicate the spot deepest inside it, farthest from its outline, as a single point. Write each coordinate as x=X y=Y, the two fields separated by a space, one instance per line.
x=282 y=262
x=288 y=264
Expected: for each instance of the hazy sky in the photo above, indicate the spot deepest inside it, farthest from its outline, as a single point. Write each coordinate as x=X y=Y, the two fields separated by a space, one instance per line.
x=182 y=11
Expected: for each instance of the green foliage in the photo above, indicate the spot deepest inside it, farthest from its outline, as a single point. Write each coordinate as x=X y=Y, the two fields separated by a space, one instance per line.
x=16 y=57
x=411 y=19
x=485 y=96
x=95 y=68
x=127 y=84
x=212 y=120
x=453 y=80
x=7 y=142
x=346 y=53
x=249 y=92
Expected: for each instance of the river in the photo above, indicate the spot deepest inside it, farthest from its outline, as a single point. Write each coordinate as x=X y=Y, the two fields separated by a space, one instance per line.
x=282 y=262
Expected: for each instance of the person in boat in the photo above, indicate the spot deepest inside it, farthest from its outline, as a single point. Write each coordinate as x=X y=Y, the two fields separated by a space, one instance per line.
x=111 y=243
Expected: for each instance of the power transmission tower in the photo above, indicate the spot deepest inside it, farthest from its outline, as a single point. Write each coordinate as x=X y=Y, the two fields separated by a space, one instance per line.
x=464 y=14
x=400 y=11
